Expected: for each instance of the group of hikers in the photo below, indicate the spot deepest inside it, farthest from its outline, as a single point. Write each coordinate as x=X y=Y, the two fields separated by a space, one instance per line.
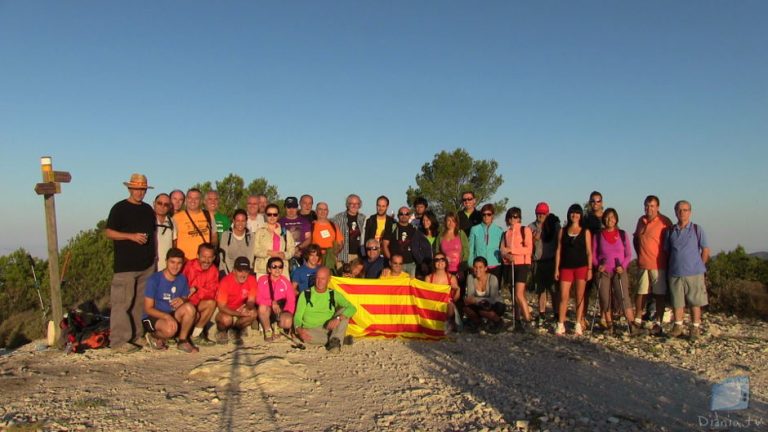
x=181 y=267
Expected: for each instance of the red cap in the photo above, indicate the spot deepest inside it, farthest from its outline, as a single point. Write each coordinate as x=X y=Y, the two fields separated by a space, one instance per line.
x=542 y=208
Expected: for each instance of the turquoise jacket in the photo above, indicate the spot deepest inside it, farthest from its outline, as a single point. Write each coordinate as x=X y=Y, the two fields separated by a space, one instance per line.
x=484 y=241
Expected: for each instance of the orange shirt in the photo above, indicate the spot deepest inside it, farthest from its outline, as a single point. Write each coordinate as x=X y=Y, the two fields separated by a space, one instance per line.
x=324 y=234
x=186 y=236
x=650 y=240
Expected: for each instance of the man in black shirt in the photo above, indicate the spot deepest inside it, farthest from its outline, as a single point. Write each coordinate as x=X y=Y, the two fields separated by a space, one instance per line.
x=407 y=241
x=131 y=226
x=469 y=217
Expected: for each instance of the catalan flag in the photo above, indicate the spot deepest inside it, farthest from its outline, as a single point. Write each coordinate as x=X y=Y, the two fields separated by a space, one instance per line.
x=396 y=307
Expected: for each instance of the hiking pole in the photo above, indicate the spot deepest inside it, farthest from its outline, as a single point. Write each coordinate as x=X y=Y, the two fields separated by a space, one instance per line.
x=599 y=284
x=37 y=286
x=296 y=343
x=617 y=264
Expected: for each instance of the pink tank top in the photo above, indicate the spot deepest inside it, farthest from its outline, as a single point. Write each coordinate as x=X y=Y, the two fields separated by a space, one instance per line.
x=452 y=249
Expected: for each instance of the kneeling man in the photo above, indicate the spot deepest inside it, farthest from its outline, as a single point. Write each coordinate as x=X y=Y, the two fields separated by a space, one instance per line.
x=322 y=315
x=167 y=310
x=236 y=300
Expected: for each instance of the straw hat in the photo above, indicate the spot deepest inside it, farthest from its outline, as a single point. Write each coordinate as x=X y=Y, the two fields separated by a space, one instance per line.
x=138 y=181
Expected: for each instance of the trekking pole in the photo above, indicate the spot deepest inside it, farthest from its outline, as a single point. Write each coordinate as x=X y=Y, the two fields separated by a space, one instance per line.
x=599 y=284
x=617 y=264
x=514 y=297
x=37 y=286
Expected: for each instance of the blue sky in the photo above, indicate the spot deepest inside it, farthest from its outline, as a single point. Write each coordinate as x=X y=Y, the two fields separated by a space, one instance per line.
x=329 y=98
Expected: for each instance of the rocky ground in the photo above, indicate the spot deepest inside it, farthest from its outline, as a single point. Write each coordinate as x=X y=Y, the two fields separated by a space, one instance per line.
x=508 y=381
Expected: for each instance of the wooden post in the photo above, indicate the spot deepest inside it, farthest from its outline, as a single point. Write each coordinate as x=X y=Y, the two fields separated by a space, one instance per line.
x=48 y=189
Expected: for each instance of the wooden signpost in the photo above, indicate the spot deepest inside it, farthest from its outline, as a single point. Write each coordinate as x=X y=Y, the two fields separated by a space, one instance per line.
x=50 y=186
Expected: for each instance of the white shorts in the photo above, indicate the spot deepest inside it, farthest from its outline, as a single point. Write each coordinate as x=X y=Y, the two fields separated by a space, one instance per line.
x=654 y=281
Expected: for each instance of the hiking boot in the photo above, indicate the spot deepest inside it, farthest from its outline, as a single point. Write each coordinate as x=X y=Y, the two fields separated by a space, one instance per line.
x=237 y=337
x=349 y=340
x=560 y=330
x=695 y=333
x=677 y=331
x=202 y=341
x=187 y=347
x=333 y=346
x=126 y=348
x=154 y=342
x=657 y=330
x=636 y=330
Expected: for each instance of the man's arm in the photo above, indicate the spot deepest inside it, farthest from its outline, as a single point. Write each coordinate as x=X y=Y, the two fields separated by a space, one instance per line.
x=140 y=238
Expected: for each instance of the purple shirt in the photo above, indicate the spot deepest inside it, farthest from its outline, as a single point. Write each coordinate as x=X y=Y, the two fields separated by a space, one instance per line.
x=297 y=228
x=607 y=252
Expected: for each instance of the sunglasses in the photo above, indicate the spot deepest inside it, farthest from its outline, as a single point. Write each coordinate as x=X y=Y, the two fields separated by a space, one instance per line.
x=371 y=248
x=596 y=201
x=403 y=214
x=515 y=217
x=467 y=199
x=271 y=214
x=163 y=204
x=437 y=260
x=487 y=214
x=276 y=267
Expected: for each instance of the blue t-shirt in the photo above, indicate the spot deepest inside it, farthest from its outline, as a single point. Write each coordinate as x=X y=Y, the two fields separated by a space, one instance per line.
x=304 y=276
x=163 y=291
x=684 y=247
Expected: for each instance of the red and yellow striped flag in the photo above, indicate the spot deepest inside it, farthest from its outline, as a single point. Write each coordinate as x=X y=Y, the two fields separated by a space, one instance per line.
x=396 y=307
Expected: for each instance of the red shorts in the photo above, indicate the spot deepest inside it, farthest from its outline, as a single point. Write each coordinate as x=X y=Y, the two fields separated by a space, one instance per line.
x=572 y=274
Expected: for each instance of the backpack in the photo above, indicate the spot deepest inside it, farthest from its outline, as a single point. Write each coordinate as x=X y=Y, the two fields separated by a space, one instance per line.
x=84 y=328
x=331 y=304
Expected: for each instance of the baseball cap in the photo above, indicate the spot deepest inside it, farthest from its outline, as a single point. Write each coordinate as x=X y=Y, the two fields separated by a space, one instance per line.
x=542 y=208
x=242 y=263
x=291 y=202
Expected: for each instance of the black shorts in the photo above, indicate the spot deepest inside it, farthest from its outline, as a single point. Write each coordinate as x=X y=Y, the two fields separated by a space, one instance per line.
x=149 y=324
x=499 y=308
x=544 y=276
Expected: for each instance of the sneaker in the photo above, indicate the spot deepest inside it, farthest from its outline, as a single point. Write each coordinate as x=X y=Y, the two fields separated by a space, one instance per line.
x=695 y=333
x=540 y=321
x=154 y=342
x=677 y=331
x=333 y=346
x=126 y=348
x=349 y=340
x=636 y=330
x=560 y=330
x=222 y=337
x=202 y=341
x=578 y=330
x=186 y=346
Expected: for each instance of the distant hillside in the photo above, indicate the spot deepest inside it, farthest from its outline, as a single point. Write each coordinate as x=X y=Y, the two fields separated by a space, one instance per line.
x=761 y=255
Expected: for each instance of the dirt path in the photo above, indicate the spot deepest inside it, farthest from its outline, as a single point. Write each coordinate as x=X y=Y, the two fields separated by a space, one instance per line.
x=469 y=382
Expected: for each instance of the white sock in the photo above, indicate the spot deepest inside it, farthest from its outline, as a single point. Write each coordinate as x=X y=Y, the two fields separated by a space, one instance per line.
x=638 y=321
x=696 y=324
x=197 y=331
x=678 y=323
